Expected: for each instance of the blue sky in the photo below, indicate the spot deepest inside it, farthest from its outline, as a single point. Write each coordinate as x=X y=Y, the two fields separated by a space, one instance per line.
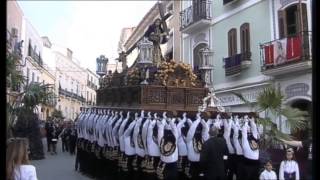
x=88 y=28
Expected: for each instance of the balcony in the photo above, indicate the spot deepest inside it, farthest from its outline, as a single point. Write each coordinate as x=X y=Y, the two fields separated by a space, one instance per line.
x=287 y=55
x=71 y=95
x=195 y=17
x=92 y=85
x=234 y=64
x=33 y=54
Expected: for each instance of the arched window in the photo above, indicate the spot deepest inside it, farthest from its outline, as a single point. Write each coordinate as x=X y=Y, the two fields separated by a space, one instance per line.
x=245 y=38
x=232 y=42
x=289 y=20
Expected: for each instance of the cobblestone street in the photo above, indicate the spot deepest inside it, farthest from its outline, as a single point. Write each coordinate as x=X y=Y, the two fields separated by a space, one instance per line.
x=57 y=167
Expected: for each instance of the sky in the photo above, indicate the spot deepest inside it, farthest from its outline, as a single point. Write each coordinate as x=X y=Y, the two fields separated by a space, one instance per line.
x=88 y=28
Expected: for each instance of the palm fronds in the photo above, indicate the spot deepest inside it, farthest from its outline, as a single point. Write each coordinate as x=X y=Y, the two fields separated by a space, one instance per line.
x=271 y=101
x=295 y=117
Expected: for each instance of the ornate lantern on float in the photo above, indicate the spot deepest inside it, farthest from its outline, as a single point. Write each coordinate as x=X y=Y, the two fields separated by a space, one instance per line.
x=102 y=62
x=206 y=65
x=145 y=57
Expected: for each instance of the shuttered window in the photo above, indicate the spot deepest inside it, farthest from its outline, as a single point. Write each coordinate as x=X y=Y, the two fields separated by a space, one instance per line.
x=289 y=20
x=245 y=38
x=232 y=42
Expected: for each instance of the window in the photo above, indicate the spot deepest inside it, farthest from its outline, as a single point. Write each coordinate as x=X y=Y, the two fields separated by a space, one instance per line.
x=232 y=42
x=38 y=79
x=227 y=1
x=43 y=82
x=245 y=38
x=289 y=20
x=28 y=74
x=170 y=7
x=66 y=111
x=32 y=80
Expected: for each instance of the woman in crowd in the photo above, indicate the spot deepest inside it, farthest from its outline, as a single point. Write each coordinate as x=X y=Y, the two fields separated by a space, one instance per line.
x=17 y=160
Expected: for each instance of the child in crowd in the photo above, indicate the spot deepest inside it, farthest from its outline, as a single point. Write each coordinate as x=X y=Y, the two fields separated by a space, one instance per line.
x=17 y=161
x=268 y=173
x=289 y=169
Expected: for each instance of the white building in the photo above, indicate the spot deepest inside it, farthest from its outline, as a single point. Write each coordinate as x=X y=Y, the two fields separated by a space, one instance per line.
x=92 y=86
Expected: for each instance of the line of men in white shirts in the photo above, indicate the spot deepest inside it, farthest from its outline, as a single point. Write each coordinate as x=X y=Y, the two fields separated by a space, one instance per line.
x=154 y=147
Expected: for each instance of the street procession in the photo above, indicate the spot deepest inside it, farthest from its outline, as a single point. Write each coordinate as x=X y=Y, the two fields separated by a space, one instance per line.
x=178 y=101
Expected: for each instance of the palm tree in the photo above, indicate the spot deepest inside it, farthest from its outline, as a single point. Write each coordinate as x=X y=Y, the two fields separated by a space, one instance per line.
x=270 y=101
x=25 y=122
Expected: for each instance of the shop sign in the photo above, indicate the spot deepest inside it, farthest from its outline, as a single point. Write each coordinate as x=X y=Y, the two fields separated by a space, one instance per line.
x=231 y=99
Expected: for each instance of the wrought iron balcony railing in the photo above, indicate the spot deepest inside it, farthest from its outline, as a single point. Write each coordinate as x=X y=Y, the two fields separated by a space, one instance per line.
x=234 y=64
x=286 y=51
x=32 y=53
x=195 y=13
x=71 y=95
x=92 y=85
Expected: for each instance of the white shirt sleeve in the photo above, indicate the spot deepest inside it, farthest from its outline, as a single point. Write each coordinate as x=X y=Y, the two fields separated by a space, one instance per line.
x=192 y=130
x=205 y=130
x=179 y=126
x=144 y=133
x=297 y=171
x=281 y=173
x=160 y=130
x=174 y=129
x=129 y=129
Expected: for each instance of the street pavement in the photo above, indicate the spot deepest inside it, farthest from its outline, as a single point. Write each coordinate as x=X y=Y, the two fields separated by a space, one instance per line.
x=57 y=167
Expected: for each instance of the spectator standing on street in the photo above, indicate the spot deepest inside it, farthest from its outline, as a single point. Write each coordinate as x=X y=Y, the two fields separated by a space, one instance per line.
x=268 y=173
x=17 y=161
x=48 y=127
x=65 y=136
x=73 y=139
x=289 y=169
x=212 y=156
x=54 y=139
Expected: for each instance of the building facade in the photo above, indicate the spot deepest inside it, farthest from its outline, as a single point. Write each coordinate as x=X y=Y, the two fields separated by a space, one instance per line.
x=244 y=37
x=72 y=85
x=169 y=50
x=287 y=56
x=14 y=35
x=34 y=69
x=91 y=87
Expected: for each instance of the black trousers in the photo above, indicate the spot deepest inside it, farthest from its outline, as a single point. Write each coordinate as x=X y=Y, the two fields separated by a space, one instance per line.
x=167 y=171
x=48 y=144
x=250 y=169
x=64 y=145
x=231 y=168
x=239 y=166
x=181 y=165
x=149 y=171
x=195 y=171
x=137 y=173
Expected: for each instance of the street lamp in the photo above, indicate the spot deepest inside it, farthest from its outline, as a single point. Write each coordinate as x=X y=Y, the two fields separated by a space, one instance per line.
x=102 y=62
x=145 y=57
x=206 y=65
